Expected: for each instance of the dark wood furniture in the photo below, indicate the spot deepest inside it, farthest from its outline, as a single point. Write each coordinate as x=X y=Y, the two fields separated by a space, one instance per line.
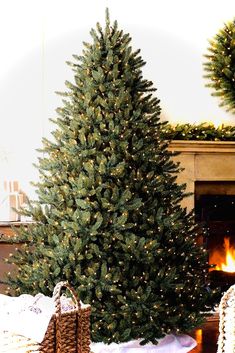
x=206 y=337
x=8 y=244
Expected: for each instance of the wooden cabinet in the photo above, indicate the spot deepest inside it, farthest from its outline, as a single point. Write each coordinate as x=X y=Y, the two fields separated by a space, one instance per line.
x=6 y=229
x=8 y=244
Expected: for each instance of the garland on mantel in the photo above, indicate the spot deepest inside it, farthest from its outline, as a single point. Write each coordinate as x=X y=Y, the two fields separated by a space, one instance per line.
x=201 y=132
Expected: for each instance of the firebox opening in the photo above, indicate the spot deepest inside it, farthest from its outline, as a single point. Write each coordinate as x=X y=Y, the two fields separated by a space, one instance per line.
x=215 y=211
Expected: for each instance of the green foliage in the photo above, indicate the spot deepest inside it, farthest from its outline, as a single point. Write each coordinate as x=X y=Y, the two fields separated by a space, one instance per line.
x=108 y=217
x=220 y=66
x=203 y=131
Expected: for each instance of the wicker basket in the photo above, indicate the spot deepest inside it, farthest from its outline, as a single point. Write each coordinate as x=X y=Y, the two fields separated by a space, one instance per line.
x=67 y=332
x=226 y=341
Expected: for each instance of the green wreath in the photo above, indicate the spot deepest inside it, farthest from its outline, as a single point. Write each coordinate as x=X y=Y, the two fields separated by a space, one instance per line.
x=220 y=66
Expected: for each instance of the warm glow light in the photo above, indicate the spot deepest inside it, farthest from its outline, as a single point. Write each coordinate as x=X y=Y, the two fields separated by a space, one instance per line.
x=216 y=121
x=198 y=335
x=224 y=258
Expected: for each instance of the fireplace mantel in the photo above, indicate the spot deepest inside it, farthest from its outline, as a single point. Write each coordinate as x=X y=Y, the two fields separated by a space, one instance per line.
x=202 y=146
x=203 y=161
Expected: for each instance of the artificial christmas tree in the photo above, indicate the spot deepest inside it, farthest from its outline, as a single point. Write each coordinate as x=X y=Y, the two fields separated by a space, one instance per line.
x=108 y=217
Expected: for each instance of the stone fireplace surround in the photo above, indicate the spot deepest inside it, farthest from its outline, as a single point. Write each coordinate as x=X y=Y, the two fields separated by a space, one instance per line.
x=204 y=161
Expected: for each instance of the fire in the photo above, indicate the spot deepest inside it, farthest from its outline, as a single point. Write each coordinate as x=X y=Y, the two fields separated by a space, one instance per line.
x=224 y=258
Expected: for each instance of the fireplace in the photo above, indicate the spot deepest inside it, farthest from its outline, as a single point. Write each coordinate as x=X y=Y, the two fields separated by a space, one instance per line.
x=209 y=175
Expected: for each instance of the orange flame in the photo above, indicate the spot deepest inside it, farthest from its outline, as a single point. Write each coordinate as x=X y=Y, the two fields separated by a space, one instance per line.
x=224 y=258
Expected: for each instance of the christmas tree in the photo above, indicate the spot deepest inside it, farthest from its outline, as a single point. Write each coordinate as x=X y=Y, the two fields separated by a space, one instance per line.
x=108 y=217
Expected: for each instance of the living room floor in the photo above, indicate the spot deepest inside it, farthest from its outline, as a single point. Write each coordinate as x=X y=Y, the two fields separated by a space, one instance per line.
x=206 y=337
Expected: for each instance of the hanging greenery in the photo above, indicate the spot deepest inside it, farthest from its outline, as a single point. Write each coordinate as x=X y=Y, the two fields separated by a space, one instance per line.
x=220 y=66
x=203 y=131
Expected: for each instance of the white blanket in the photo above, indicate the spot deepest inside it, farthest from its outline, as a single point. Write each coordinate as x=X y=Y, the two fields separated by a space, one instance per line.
x=11 y=343
x=168 y=344
x=26 y=315
x=29 y=315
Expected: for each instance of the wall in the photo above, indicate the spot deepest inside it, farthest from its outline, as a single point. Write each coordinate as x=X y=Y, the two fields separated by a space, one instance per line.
x=38 y=36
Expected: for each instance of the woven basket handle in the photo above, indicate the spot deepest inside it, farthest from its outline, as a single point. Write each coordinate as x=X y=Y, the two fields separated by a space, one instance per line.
x=56 y=297
x=57 y=294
